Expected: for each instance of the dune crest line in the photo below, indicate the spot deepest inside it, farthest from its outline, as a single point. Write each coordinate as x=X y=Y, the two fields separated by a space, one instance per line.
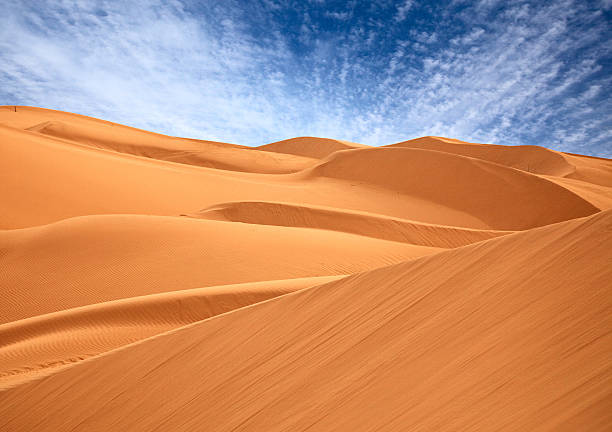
x=152 y=282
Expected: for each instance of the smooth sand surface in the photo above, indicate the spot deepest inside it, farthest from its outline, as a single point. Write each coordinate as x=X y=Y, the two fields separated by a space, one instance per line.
x=120 y=256
x=36 y=346
x=157 y=283
x=311 y=147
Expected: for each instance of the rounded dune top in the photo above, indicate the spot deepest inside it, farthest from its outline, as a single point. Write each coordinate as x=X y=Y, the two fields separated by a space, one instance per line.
x=504 y=198
x=529 y=158
x=312 y=147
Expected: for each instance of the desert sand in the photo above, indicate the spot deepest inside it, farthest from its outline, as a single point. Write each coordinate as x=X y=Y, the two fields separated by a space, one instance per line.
x=152 y=283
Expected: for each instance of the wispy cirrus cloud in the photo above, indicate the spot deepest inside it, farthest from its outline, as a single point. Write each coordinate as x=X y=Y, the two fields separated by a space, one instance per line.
x=402 y=10
x=254 y=72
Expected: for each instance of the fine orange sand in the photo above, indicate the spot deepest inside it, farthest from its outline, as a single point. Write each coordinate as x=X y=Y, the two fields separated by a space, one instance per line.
x=157 y=283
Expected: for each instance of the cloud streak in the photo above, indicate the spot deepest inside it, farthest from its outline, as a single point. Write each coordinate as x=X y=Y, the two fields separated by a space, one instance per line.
x=251 y=73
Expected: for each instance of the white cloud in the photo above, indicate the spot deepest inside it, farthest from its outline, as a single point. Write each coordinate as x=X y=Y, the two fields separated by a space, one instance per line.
x=162 y=67
x=403 y=9
x=185 y=77
x=342 y=16
x=469 y=38
x=606 y=4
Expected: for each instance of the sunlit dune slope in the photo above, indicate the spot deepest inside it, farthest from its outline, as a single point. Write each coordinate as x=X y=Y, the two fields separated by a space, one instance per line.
x=529 y=158
x=61 y=171
x=93 y=259
x=591 y=169
x=116 y=137
x=123 y=183
x=429 y=187
x=311 y=147
x=507 y=334
x=533 y=159
x=37 y=346
x=151 y=282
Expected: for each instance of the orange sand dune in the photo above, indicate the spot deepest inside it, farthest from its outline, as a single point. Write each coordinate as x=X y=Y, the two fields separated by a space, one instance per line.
x=529 y=158
x=598 y=195
x=37 y=346
x=408 y=184
x=501 y=197
x=147 y=186
x=311 y=147
x=367 y=224
x=93 y=259
x=150 y=282
x=591 y=170
x=150 y=186
x=439 y=343
x=112 y=136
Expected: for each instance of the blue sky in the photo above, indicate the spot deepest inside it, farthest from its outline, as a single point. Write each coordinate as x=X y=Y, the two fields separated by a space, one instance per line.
x=252 y=72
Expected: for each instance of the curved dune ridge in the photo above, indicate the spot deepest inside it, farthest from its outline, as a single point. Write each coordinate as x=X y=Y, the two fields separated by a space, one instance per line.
x=36 y=346
x=528 y=158
x=193 y=152
x=152 y=283
x=501 y=197
x=366 y=224
x=471 y=351
x=120 y=256
x=153 y=186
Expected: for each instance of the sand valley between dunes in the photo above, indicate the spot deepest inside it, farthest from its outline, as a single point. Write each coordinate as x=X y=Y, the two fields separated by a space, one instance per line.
x=151 y=282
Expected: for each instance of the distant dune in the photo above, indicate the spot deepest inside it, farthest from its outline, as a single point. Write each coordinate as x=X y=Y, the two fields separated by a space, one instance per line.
x=158 y=283
x=312 y=147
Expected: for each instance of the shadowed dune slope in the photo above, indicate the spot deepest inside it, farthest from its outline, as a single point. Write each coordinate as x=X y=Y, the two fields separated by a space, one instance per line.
x=37 y=346
x=366 y=224
x=598 y=195
x=502 y=197
x=311 y=147
x=116 y=137
x=507 y=334
x=93 y=259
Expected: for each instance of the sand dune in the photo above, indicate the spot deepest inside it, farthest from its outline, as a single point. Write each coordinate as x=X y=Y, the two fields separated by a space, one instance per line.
x=150 y=186
x=366 y=224
x=311 y=147
x=591 y=169
x=528 y=158
x=37 y=346
x=112 y=136
x=158 y=283
x=409 y=184
x=93 y=259
x=438 y=343
x=598 y=195
x=500 y=197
